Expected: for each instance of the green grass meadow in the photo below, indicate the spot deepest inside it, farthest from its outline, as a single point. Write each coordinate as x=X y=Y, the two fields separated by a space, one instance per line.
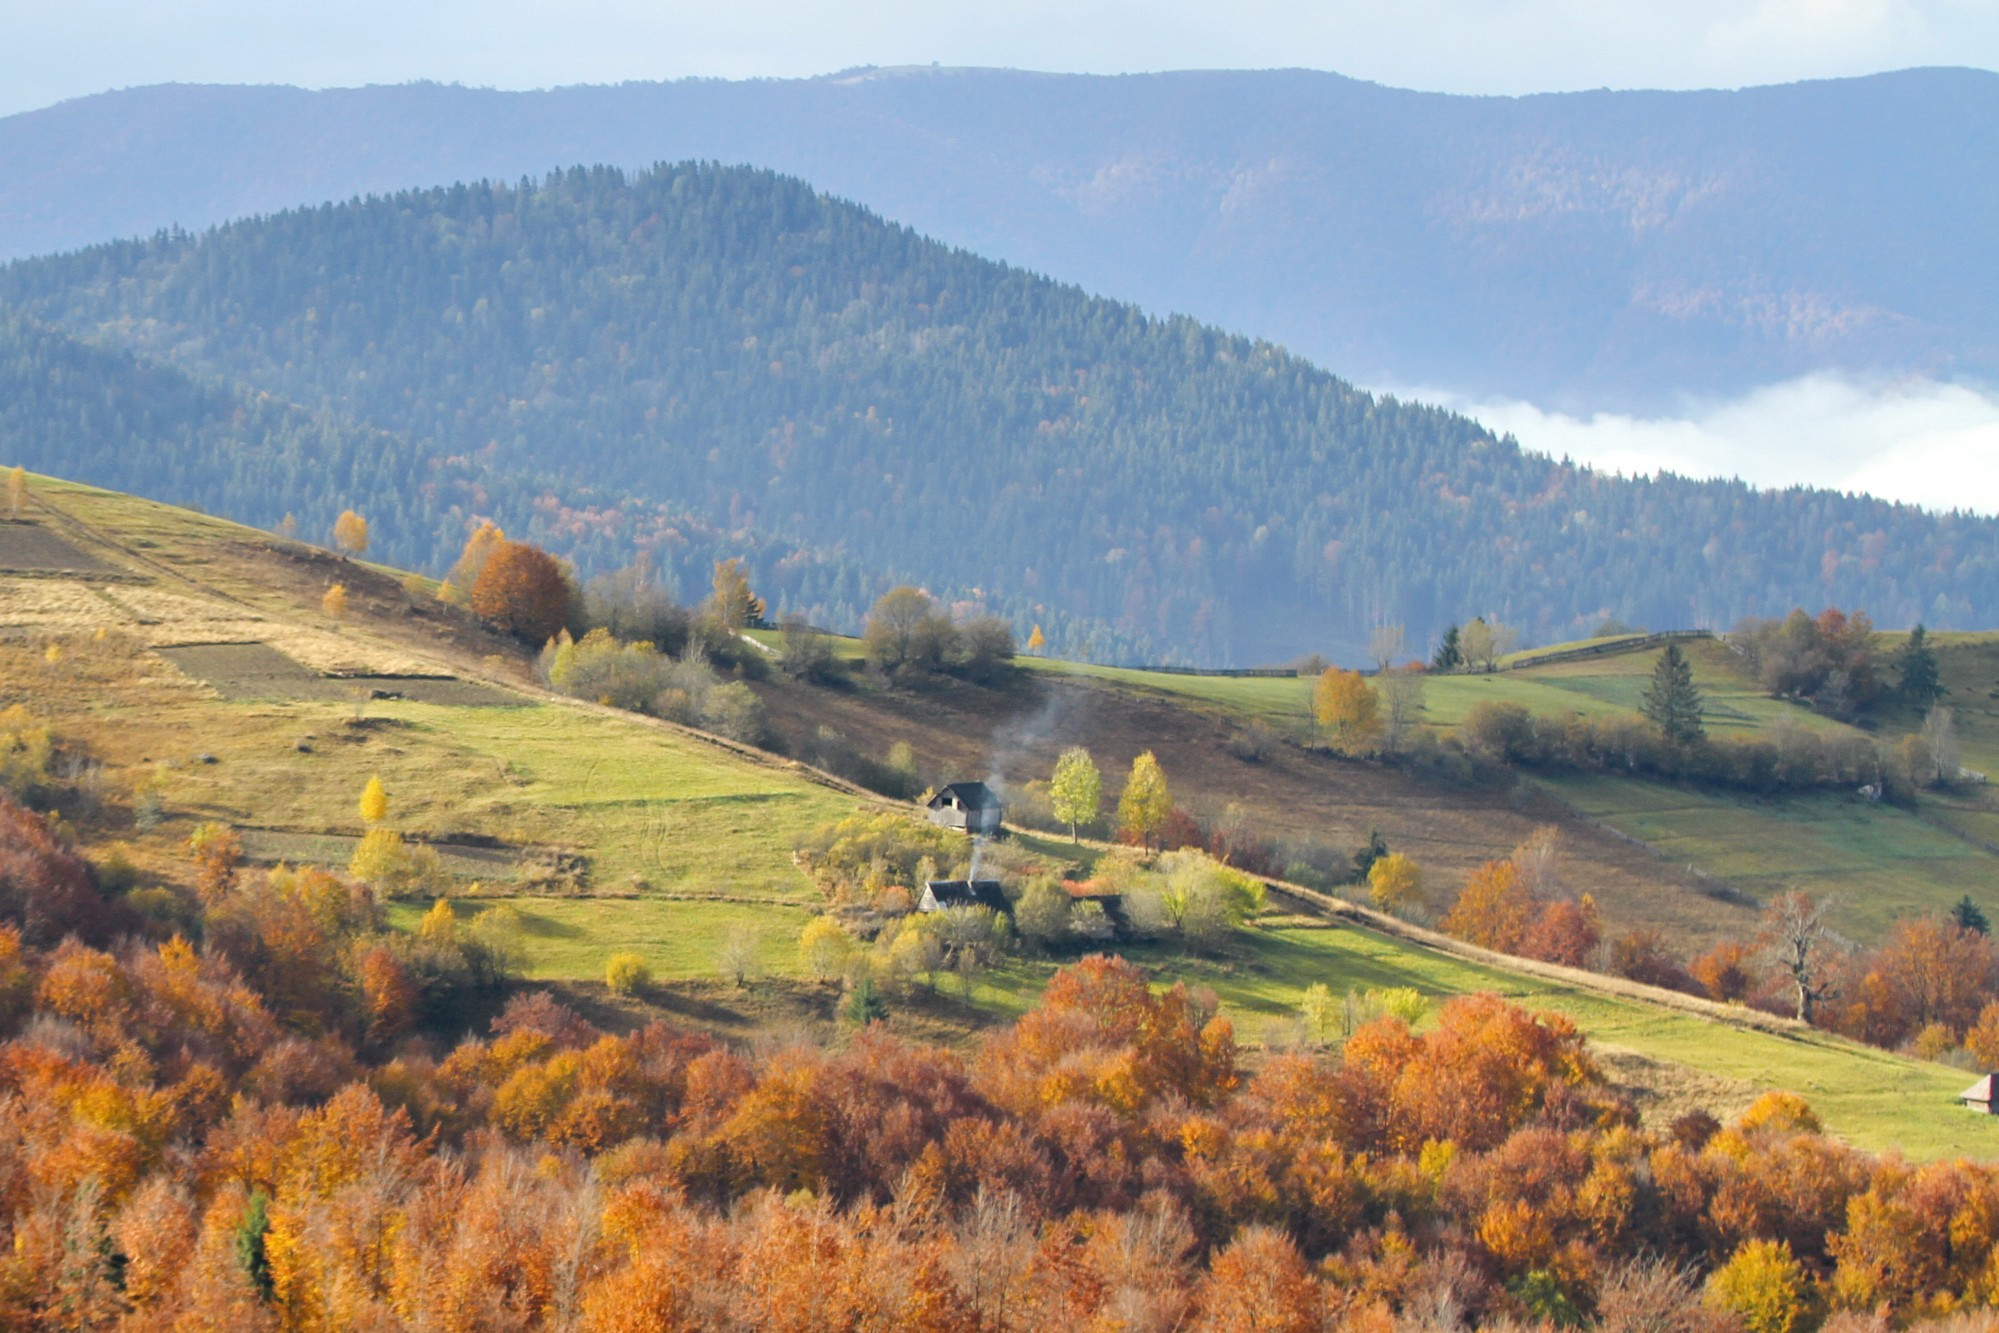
x=1877 y=862
x=675 y=811
x=571 y=939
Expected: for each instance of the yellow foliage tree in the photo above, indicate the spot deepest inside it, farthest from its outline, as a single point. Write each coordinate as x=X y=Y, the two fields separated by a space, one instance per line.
x=381 y=860
x=17 y=491
x=626 y=973
x=1321 y=1011
x=26 y=749
x=479 y=548
x=374 y=801
x=1780 y=1112
x=1764 y=1286
x=734 y=605
x=1037 y=640
x=1395 y=882
x=824 y=948
x=1146 y=803
x=439 y=924
x=1076 y=790
x=1348 y=708
x=334 y=604
x=350 y=532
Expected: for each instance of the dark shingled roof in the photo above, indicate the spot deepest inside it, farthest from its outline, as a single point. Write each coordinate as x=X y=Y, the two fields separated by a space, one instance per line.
x=969 y=893
x=972 y=795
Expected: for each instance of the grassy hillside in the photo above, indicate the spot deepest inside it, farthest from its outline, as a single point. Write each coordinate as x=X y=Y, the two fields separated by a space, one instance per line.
x=673 y=842
x=1877 y=861
x=652 y=807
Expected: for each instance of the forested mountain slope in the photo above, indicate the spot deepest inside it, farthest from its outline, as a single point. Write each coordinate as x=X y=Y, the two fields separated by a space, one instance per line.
x=104 y=413
x=1600 y=249
x=216 y=447
x=596 y=355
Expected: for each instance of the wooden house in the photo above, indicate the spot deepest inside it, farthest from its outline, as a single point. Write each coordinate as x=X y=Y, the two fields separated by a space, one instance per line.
x=969 y=807
x=1979 y=1096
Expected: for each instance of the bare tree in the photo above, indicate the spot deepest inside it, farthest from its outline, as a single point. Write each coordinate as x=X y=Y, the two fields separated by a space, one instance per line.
x=739 y=957
x=1795 y=932
x=1538 y=862
x=994 y=1257
x=1940 y=739
x=1402 y=692
x=1484 y=642
x=1385 y=645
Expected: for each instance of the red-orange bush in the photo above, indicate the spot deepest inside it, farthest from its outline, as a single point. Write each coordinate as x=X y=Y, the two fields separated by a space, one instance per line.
x=522 y=591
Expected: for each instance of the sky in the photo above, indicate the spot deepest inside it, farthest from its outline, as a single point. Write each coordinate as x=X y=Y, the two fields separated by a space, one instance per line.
x=1928 y=443
x=56 y=51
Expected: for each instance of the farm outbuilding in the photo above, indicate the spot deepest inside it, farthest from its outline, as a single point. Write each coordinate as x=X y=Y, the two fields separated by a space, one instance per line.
x=1111 y=904
x=969 y=807
x=942 y=894
x=1979 y=1096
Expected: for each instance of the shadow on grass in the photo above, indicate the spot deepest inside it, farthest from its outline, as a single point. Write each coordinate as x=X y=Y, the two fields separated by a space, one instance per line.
x=547 y=927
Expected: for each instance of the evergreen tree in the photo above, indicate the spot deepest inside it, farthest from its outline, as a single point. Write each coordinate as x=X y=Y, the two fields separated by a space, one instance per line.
x=1917 y=666
x=1970 y=916
x=864 y=1004
x=1671 y=702
x=1373 y=850
x=251 y=1255
x=1450 y=655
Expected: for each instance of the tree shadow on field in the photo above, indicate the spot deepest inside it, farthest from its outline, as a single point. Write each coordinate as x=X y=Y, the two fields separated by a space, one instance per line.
x=546 y=927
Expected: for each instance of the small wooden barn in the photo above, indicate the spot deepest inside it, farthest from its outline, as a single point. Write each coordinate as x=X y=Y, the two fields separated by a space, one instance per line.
x=942 y=894
x=969 y=807
x=1112 y=905
x=1979 y=1096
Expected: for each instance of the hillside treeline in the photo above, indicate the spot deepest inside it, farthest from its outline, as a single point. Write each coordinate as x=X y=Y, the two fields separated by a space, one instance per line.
x=192 y=1140
x=99 y=414
x=607 y=362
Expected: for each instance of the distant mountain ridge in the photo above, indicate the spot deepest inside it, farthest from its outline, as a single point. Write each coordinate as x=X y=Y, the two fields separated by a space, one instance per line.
x=701 y=361
x=1600 y=250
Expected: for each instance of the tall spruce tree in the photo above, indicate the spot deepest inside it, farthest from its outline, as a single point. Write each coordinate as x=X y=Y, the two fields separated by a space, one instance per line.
x=1450 y=653
x=1671 y=702
x=1969 y=916
x=1916 y=665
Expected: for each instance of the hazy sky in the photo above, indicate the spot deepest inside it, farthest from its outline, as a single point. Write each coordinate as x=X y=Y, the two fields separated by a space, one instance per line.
x=1929 y=443
x=58 y=50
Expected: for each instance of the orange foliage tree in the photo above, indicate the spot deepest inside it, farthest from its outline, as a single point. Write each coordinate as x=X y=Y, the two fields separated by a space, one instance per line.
x=1493 y=910
x=522 y=591
x=262 y=1132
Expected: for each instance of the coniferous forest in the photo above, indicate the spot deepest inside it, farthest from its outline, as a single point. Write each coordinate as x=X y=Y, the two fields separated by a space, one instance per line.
x=702 y=361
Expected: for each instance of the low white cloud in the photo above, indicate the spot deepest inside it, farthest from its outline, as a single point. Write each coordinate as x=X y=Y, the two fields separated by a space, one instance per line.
x=1920 y=441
